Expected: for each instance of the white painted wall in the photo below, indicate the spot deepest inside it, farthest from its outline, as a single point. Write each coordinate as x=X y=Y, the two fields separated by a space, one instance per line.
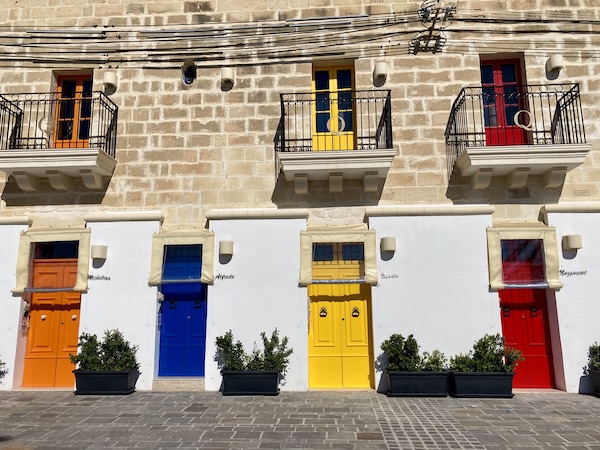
x=578 y=302
x=436 y=284
x=10 y=318
x=125 y=301
x=263 y=293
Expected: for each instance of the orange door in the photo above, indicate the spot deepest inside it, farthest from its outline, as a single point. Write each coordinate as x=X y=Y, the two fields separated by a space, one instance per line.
x=73 y=112
x=53 y=325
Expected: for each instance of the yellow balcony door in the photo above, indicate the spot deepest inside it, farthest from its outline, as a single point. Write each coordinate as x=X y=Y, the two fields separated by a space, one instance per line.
x=339 y=350
x=333 y=110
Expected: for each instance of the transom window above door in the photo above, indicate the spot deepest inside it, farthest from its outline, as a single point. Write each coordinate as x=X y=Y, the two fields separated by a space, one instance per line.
x=523 y=262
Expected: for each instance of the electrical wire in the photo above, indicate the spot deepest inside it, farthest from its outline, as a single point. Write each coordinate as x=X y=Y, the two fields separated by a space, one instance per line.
x=267 y=42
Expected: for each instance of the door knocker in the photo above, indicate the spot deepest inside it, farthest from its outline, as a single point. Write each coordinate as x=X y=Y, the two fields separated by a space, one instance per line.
x=172 y=304
x=506 y=312
x=534 y=312
x=323 y=312
x=355 y=312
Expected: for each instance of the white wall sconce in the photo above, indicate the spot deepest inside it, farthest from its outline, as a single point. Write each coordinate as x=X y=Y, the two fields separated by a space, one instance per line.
x=380 y=73
x=226 y=248
x=99 y=252
x=571 y=242
x=227 y=78
x=554 y=65
x=388 y=244
x=188 y=71
x=110 y=81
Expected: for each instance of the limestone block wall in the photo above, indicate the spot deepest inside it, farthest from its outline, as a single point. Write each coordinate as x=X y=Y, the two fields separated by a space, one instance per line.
x=188 y=148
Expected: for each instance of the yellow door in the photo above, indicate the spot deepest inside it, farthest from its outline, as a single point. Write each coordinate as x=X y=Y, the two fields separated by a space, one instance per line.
x=333 y=110
x=53 y=325
x=339 y=350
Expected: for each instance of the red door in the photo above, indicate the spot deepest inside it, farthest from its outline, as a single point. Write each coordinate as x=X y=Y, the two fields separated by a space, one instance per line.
x=524 y=310
x=525 y=327
x=502 y=100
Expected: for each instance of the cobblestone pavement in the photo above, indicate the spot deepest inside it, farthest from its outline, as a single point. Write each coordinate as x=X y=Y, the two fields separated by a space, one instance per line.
x=303 y=420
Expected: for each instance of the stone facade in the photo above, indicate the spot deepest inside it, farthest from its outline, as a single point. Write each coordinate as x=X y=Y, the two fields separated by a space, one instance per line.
x=189 y=148
x=196 y=165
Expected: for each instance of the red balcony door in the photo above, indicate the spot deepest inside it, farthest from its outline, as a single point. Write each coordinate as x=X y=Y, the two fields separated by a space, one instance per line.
x=73 y=111
x=502 y=101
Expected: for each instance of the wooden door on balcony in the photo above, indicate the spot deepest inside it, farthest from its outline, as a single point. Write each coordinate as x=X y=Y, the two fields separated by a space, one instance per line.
x=333 y=108
x=503 y=102
x=73 y=111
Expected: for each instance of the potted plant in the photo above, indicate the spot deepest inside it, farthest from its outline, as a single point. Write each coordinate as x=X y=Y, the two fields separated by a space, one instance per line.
x=486 y=371
x=410 y=374
x=593 y=367
x=108 y=366
x=257 y=373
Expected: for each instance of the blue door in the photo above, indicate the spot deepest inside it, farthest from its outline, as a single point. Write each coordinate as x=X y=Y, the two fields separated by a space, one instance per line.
x=183 y=313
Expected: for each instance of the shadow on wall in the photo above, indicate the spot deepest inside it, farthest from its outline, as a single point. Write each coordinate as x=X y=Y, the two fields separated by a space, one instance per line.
x=460 y=191
x=381 y=363
x=318 y=194
x=79 y=195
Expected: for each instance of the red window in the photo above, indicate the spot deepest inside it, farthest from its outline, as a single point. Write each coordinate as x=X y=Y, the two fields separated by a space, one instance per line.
x=523 y=262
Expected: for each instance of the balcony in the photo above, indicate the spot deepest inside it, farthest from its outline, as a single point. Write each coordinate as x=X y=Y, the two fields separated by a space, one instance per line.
x=335 y=137
x=43 y=136
x=526 y=130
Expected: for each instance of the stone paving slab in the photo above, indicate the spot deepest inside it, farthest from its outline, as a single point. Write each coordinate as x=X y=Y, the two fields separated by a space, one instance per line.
x=355 y=420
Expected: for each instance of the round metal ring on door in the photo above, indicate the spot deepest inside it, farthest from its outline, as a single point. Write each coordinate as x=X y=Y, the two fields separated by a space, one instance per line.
x=342 y=127
x=529 y=125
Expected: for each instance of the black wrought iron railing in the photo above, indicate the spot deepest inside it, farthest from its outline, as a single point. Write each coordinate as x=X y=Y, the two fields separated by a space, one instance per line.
x=351 y=120
x=515 y=115
x=46 y=121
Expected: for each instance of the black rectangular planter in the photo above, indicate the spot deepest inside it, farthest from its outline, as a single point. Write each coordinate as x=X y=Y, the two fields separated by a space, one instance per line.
x=250 y=382
x=96 y=382
x=417 y=384
x=481 y=384
x=595 y=379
